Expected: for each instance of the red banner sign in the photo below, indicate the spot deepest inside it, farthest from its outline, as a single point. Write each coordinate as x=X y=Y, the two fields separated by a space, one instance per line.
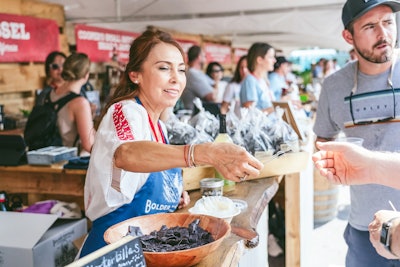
x=27 y=39
x=218 y=52
x=238 y=53
x=101 y=45
x=186 y=44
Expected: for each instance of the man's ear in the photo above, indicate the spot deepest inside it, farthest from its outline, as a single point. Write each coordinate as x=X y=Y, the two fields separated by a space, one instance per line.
x=347 y=36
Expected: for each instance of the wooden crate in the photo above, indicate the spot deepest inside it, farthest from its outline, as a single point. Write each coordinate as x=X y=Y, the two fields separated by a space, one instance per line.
x=11 y=7
x=44 y=11
x=192 y=176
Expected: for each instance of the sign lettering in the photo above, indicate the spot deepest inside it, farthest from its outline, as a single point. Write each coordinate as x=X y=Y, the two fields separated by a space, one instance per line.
x=123 y=253
x=27 y=39
x=101 y=45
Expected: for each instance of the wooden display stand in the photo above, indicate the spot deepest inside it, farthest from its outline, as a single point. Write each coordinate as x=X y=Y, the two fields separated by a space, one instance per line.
x=54 y=182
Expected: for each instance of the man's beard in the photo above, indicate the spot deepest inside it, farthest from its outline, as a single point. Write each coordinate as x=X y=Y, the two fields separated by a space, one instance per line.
x=369 y=54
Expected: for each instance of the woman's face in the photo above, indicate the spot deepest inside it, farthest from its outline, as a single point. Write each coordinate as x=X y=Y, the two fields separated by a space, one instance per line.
x=56 y=67
x=217 y=73
x=243 y=70
x=162 y=77
x=268 y=61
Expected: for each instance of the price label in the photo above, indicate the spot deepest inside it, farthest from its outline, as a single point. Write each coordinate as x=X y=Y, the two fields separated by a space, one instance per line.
x=125 y=252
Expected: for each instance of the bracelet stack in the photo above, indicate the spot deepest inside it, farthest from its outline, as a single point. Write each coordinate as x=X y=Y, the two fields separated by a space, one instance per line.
x=189 y=155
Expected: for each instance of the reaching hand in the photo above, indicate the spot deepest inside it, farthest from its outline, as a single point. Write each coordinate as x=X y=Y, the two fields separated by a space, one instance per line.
x=343 y=163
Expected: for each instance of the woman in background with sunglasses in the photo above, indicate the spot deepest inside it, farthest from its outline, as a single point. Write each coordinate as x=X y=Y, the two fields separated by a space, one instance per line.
x=216 y=72
x=53 y=67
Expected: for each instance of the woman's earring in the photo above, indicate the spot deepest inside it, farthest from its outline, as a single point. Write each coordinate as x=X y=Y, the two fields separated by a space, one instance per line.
x=136 y=82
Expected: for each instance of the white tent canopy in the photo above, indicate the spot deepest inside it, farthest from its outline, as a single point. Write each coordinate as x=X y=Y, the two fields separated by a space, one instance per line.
x=285 y=24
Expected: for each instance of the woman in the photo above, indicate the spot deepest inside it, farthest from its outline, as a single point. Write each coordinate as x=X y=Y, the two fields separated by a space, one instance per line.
x=53 y=67
x=216 y=72
x=133 y=170
x=232 y=92
x=254 y=89
x=75 y=120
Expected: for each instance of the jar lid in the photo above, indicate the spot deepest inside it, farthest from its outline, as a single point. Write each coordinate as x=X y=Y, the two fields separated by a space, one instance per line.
x=211 y=182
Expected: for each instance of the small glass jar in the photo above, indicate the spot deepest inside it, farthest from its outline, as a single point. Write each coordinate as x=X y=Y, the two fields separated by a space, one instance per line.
x=211 y=187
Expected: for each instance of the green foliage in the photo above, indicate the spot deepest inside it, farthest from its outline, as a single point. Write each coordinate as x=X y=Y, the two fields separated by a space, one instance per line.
x=25 y=112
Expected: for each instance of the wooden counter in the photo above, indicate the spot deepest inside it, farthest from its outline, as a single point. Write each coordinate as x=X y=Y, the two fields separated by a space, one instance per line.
x=53 y=182
x=257 y=193
x=44 y=182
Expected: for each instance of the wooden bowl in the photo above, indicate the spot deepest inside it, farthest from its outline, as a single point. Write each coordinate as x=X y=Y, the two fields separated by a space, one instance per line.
x=218 y=228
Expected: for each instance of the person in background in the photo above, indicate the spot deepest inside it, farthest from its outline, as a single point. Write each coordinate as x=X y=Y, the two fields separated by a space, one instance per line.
x=198 y=83
x=231 y=96
x=254 y=89
x=328 y=68
x=335 y=64
x=318 y=69
x=53 y=67
x=277 y=78
x=349 y=164
x=133 y=170
x=75 y=120
x=352 y=54
x=216 y=72
x=370 y=27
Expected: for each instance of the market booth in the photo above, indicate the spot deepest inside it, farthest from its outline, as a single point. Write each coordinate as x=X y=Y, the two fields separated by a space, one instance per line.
x=249 y=229
x=247 y=242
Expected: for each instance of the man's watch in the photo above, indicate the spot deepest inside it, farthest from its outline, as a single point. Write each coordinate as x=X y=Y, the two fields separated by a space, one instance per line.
x=385 y=234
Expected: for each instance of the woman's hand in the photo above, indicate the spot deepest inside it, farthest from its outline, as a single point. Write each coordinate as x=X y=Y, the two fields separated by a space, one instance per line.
x=184 y=201
x=233 y=162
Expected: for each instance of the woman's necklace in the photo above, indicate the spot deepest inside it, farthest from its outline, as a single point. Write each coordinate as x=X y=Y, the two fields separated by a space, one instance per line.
x=153 y=129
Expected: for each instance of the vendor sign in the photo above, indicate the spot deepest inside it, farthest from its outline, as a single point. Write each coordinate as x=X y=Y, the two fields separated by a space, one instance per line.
x=27 y=39
x=104 y=45
x=218 y=52
x=238 y=53
x=186 y=44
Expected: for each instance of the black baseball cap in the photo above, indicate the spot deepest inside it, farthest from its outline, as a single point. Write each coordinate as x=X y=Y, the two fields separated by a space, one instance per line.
x=279 y=61
x=353 y=9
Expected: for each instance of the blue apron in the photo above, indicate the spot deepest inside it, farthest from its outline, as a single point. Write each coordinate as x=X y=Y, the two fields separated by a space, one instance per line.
x=160 y=194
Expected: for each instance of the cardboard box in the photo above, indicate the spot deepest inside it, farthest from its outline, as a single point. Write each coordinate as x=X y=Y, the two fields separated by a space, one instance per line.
x=30 y=239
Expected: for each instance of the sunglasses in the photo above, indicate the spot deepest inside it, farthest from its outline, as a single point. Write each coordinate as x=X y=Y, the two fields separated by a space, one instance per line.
x=55 y=66
x=218 y=70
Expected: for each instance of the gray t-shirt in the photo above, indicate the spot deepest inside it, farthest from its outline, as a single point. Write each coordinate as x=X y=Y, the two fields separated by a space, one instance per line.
x=332 y=114
x=197 y=85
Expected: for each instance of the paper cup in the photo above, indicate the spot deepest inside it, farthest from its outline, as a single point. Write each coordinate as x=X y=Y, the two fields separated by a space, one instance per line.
x=354 y=140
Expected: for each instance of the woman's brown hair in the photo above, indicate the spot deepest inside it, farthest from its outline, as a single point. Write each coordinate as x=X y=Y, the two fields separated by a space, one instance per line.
x=138 y=53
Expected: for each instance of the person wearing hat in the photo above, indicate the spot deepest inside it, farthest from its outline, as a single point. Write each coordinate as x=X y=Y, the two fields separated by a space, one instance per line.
x=360 y=101
x=277 y=78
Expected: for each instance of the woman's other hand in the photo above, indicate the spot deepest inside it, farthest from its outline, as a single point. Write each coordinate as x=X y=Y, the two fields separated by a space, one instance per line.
x=184 y=201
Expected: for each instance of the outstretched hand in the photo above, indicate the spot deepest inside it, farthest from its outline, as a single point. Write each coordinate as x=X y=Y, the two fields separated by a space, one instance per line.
x=343 y=163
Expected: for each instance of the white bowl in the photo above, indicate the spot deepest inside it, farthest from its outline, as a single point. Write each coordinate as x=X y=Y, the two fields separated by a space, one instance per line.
x=217 y=206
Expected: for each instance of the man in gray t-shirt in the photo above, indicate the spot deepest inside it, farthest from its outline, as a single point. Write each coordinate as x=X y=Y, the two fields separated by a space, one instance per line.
x=350 y=102
x=198 y=84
